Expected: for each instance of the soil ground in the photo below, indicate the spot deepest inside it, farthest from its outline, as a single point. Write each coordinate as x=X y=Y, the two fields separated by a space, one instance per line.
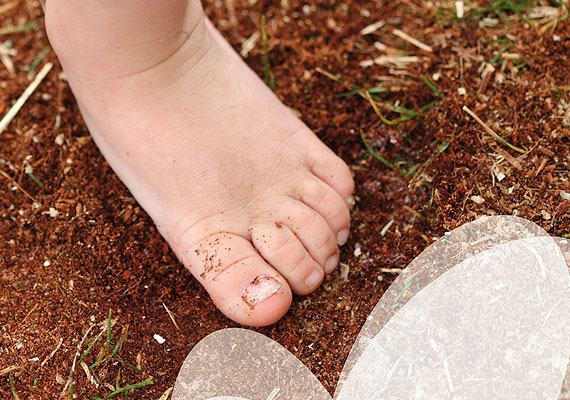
x=75 y=245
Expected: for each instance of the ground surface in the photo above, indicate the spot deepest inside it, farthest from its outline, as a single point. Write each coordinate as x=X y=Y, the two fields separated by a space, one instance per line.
x=86 y=248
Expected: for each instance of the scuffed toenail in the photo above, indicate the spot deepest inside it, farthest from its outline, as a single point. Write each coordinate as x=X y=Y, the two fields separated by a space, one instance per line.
x=342 y=237
x=331 y=264
x=315 y=277
x=261 y=288
x=351 y=201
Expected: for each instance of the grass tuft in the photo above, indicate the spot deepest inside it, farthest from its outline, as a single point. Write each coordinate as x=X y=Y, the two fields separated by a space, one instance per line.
x=108 y=352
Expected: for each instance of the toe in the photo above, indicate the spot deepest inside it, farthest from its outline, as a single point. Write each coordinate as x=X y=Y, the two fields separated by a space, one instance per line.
x=240 y=282
x=332 y=170
x=313 y=232
x=283 y=250
x=327 y=202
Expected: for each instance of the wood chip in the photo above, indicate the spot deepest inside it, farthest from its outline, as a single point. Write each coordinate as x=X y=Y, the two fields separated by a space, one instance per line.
x=387 y=227
x=357 y=250
x=166 y=394
x=344 y=270
x=391 y=270
x=459 y=9
x=565 y=195
x=8 y=63
x=5 y=50
x=498 y=173
x=511 y=56
x=414 y=41
x=545 y=11
x=60 y=139
x=59 y=379
x=372 y=28
x=249 y=44
x=385 y=60
x=490 y=22
x=380 y=46
x=477 y=199
x=366 y=63
x=5 y=53
x=486 y=73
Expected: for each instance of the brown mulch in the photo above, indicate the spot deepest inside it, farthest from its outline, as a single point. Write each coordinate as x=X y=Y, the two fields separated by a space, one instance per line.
x=80 y=246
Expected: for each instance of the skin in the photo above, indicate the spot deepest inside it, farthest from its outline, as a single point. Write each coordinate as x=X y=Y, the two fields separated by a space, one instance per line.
x=249 y=199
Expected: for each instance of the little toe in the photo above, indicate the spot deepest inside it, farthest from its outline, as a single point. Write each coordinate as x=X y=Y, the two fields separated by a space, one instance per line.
x=312 y=231
x=283 y=250
x=240 y=282
x=332 y=170
x=327 y=202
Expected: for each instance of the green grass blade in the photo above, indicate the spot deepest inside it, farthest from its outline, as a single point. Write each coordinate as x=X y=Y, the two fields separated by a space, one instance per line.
x=431 y=86
x=86 y=353
x=13 y=386
x=19 y=28
x=118 y=345
x=269 y=79
x=127 y=388
x=375 y=154
x=39 y=59
x=494 y=60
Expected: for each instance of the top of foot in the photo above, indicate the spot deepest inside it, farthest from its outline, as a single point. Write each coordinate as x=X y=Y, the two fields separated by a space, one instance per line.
x=250 y=200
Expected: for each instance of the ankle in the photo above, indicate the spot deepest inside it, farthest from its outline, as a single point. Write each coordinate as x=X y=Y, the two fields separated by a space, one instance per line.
x=118 y=38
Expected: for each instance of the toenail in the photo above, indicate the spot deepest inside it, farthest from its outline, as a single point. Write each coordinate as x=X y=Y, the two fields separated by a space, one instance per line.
x=314 y=279
x=351 y=201
x=342 y=237
x=331 y=264
x=259 y=289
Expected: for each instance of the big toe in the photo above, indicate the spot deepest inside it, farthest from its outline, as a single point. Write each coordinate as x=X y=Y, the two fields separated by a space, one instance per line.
x=239 y=281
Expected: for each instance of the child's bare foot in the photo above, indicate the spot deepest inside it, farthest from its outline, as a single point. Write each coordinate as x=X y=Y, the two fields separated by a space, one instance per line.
x=245 y=194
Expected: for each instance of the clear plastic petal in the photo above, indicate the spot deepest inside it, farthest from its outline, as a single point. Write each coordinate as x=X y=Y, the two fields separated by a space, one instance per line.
x=482 y=313
x=236 y=364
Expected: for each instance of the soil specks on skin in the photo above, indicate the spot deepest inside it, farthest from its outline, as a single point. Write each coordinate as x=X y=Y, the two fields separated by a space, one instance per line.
x=279 y=225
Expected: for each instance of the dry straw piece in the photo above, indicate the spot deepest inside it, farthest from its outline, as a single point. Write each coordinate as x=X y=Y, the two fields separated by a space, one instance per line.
x=12 y=112
x=372 y=28
x=409 y=39
x=492 y=132
x=7 y=370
